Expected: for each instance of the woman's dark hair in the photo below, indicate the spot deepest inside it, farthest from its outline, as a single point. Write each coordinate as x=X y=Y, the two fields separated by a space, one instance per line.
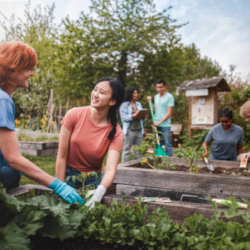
x=226 y=113
x=117 y=94
x=129 y=94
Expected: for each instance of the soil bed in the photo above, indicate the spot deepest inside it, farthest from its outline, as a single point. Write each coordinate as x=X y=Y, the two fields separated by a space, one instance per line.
x=41 y=243
x=218 y=170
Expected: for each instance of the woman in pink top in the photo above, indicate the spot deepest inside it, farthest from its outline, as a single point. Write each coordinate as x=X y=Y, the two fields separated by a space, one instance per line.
x=89 y=133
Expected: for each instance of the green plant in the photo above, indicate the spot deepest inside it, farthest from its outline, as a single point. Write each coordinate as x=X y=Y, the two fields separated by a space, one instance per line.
x=190 y=154
x=165 y=163
x=82 y=178
x=143 y=147
x=32 y=217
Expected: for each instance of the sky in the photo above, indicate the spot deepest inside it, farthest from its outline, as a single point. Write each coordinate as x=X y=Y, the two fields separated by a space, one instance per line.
x=220 y=29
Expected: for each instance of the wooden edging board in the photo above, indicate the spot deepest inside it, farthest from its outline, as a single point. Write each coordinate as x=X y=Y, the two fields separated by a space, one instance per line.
x=177 y=211
x=185 y=162
x=39 y=148
x=130 y=180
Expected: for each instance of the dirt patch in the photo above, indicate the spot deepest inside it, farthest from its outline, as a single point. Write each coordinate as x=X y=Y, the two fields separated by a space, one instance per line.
x=40 y=243
x=218 y=170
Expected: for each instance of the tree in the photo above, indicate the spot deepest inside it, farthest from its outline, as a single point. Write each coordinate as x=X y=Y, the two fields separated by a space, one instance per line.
x=37 y=29
x=113 y=40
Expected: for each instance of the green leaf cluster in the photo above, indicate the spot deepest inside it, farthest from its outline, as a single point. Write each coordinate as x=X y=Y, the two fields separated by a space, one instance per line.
x=127 y=39
x=123 y=226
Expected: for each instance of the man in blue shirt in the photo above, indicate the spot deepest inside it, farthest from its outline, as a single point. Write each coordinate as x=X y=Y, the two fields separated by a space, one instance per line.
x=163 y=106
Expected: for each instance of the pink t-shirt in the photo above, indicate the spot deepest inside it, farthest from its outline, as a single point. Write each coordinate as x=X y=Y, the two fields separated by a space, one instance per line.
x=89 y=143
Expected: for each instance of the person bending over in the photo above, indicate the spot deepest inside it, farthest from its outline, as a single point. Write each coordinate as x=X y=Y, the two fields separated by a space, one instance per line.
x=88 y=133
x=227 y=138
x=17 y=61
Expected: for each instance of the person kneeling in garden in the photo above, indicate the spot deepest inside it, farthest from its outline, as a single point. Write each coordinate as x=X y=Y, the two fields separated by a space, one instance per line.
x=87 y=134
x=17 y=61
x=227 y=138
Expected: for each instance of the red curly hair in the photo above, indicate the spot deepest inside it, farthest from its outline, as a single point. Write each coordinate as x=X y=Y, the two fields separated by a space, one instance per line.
x=15 y=56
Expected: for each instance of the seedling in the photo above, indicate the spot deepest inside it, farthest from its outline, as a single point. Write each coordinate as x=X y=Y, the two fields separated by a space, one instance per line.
x=82 y=178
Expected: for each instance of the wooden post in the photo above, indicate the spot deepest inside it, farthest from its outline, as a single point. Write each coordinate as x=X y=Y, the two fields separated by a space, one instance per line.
x=190 y=117
x=215 y=105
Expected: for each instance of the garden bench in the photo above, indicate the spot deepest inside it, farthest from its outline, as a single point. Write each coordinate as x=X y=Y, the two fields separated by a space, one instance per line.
x=176 y=130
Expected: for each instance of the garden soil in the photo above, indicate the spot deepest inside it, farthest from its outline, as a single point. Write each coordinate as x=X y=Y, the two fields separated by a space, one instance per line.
x=44 y=243
x=218 y=170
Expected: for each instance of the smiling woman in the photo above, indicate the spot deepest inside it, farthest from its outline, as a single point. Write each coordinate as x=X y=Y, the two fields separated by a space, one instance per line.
x=17 y=61
x=227 y=137
x=88 y=134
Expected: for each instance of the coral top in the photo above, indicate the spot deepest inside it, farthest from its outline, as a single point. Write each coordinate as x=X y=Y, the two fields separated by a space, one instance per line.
x=89 y=143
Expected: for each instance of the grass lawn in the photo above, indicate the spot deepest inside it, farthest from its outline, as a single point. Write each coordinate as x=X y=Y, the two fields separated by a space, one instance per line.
x=46 y=163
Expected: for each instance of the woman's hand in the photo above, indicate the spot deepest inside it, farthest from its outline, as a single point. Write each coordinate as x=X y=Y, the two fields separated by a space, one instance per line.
x=156 y=124
x=135 y=114
x=205 y=146
x=66 y=192
x=97 y=195
x=245 y=156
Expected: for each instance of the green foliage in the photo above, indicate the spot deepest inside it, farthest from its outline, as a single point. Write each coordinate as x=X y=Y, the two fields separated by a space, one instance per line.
x=39 y=30
x=198 y=137
x=191 y=155
x=127 y=39
x=82 y=178
x=123 y=226
x=165 y=164
x=47 y=164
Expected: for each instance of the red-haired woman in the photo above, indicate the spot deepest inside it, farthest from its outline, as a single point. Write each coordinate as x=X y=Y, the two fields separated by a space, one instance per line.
x=17 y=61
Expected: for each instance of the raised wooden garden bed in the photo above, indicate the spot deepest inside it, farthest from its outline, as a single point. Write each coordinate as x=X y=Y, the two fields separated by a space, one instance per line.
x=177 y=210
x=40 y=148
x=134 y=179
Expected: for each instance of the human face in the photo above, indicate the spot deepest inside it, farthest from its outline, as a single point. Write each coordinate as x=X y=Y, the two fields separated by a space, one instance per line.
x=247 y=117
x=226 y=123
x=22 y=77
x=135 y=95
x=101 y=95
x=160 y=88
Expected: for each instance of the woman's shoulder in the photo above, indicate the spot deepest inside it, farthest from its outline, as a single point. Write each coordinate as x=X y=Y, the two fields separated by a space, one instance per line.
x=237 y=127
x=77 y=112
x=4 y=96
x=217 y=126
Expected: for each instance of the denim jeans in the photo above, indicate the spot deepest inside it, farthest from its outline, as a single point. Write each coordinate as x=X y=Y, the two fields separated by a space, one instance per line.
x=213 y=158
x=167 y=139
x=9 y=177
x=78 y=184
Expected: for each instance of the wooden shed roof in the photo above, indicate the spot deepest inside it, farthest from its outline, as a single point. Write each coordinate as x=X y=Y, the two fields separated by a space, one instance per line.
x=218 y=82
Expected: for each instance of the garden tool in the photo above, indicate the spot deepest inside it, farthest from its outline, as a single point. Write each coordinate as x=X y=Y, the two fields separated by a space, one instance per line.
x=210 y=167
x=227 y=203
x=159 y=150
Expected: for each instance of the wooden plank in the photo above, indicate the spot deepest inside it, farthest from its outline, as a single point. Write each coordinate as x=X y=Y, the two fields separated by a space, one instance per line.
x=184 y=181
x=37 y=152
x=177 y=211
x=47 y=152
x=30 y=145
x=185 y=162
x=38 y=144
x=131 y=190
x=25 y=189
x=176 y=128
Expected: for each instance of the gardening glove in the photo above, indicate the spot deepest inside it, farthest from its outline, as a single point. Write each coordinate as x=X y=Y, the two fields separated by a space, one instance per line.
x=97 y=195
x=66 y=192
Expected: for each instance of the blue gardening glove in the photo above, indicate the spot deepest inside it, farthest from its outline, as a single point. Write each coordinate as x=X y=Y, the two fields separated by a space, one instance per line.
x=66 y=192
x=96 y=194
